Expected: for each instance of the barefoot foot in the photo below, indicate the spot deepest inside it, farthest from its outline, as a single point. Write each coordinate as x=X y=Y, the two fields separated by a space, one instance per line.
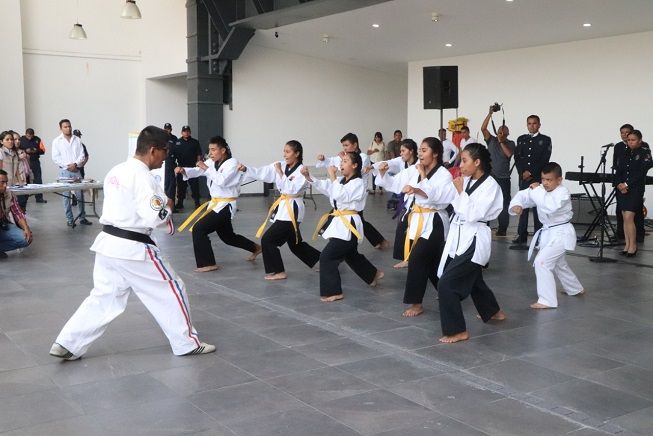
x=499 y=316
x=276 y=276
x=255 y=253
x=207 y=268
x=332 y=298
x=413 y=310
x=455 y=338
x=540 y=306
x=382 y=245
x=378 y=276
x=400 y=265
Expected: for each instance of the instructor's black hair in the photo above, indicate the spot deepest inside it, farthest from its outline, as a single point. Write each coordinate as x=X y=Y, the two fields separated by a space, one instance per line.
x=151 y=136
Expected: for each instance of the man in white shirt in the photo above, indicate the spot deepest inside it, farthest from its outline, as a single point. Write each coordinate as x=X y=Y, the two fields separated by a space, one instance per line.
x=128 y=260
x=466 y=138
x=450 y=151
x=68 y=155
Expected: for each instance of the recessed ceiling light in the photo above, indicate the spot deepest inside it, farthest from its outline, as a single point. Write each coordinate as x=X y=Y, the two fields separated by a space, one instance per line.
x=509 y=1
x=376 y=26
x=587 y=25
x=448 y=45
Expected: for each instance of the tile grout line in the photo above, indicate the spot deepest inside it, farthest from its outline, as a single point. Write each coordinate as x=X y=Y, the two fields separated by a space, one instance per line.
x=471 y=379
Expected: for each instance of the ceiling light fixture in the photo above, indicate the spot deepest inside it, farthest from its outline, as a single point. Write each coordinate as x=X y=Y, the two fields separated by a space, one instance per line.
x=448 y=44
x=130 y=11
x=376 y=26
x=325 y=38
x=77 y=32
x=587 y=25
x=435 y=17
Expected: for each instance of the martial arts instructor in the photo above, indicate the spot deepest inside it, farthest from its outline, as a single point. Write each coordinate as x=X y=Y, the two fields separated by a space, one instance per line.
x=127 y=258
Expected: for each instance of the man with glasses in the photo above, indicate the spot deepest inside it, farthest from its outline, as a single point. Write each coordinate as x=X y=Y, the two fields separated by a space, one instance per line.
x=128 y=259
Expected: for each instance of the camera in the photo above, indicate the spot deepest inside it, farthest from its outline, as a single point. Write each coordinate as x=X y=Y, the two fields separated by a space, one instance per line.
x=276 y=34
x=496 y=107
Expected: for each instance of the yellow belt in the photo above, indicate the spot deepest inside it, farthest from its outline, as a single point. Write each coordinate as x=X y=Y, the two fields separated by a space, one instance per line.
x=289 y=209
x=341 y=214
x=420 y=225
x=209 y=205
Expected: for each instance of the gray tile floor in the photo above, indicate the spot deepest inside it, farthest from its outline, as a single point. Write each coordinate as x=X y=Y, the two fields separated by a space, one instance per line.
x=290 y=365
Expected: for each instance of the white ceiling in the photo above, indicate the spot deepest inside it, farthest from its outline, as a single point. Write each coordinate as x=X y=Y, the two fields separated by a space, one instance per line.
x=406 y=32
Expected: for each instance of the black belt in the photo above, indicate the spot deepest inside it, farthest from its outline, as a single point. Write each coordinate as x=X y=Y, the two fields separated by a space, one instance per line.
x=127 y=234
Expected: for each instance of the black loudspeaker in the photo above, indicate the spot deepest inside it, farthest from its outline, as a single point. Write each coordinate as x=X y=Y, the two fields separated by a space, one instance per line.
x=440 y=87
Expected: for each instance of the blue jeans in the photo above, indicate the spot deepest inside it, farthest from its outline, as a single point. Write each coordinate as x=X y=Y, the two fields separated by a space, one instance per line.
x=67 y=197
x=12 y=239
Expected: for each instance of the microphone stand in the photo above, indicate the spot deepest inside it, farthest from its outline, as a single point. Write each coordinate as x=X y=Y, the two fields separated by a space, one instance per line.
x=604 y=212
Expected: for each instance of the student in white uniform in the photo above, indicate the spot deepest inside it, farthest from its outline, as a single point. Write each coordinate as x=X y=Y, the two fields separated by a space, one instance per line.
x=127 y=258
x=349 y=145
x=468 y=247
x=223 y=180
x=342 y=227
x=286 y=213
x=428 y=191
x=553 y=202
x=407 y=158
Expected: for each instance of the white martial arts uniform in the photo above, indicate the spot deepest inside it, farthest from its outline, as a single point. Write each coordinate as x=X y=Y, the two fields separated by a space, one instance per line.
x=472 y=213
x=440 y=191
x=133 y=201
x=555 y=237
x=291 y=187
x=350 y=196
x=223 y=183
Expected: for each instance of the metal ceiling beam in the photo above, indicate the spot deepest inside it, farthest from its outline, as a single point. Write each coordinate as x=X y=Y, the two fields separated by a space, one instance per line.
x=306 y=10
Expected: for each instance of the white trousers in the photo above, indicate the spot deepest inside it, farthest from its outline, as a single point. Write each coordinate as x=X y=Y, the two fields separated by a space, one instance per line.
x=156 y=285
x=551 y=260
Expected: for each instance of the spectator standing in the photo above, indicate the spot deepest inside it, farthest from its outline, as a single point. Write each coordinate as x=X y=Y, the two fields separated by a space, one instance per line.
x=34 y=148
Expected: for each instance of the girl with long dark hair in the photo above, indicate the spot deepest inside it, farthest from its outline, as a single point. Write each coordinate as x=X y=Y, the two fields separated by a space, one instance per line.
x=468 y=247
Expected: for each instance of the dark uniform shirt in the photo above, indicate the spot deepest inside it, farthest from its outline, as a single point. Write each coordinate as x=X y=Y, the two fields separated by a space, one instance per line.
x=633 y=167
x=26 y=144
x=171 y=159
x=531 y=154
x=186 y=151
x=619 y=152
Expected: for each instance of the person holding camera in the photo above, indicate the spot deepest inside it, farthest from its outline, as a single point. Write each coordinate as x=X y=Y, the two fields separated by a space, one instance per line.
x=14 y=231
x=533 y=151
x=501 y=150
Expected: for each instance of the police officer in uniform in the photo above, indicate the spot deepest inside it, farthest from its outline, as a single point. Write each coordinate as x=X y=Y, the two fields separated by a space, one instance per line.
x=630 y=177
x=620 y=150
x=170 y=179
x=188 y=152
x=533 y=151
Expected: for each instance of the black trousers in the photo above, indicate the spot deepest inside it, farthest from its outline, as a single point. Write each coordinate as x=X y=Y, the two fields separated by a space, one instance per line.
x=400 y=237
x=371 y=233
x=333 y=254
x=181 y=189
x=38 y=178
x=522 y=228
x=504 y=218
x=279 y=233
x=423 y=263
x=170 y=180
x=461 y=278
x=221 y=224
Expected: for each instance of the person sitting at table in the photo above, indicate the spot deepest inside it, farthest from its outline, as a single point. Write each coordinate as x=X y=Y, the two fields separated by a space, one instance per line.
x=14 y=230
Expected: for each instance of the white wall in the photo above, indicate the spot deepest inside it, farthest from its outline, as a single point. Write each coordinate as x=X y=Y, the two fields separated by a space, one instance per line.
x=583 y=92
x=278 y=96
x=12 y=109
x=165 y=102
x=100 y=83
